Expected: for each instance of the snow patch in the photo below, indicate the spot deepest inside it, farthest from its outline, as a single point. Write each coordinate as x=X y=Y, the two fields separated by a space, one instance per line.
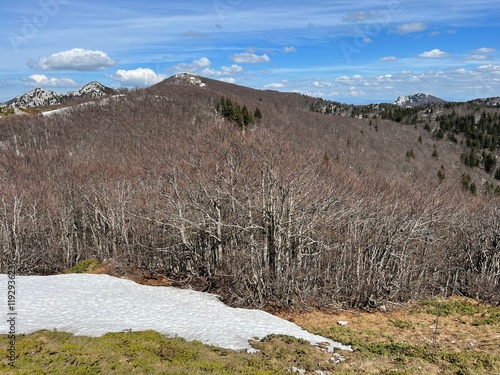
x=92 y=305
x=190 y=79
x=417 y=99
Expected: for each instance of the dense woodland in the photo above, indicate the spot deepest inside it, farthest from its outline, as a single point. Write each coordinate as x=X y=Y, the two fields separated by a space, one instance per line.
x=172 y=186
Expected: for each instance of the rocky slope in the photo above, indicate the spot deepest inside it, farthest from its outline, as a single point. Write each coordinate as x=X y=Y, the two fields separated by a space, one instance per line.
x=40 y=97
x=417 y=99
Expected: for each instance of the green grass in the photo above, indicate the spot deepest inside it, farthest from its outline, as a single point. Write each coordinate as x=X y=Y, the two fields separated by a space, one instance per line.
x=86 y=265
x=148 y=352
x=482 y=315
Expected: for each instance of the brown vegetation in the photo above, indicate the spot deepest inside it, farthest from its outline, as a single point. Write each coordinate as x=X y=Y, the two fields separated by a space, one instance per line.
x=269 y=216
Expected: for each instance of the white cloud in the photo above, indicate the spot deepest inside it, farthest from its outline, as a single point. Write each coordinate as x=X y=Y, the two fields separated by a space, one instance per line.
x=76 y=59
x=228 y=80
x=202 y=62
x=289 y=49
x=353 y=91
x=483 y=50
x=203 y=66
x=389 y=59
x=355 y=79
x=41 y=80
x=137 y=77
x=342 y=79
x=229 y=70
x=249 y=58
x=367 y=40
x=434 y=54
x=414 y=27
x=275 y=85
x=489 y=68
x=321 y=84
x=475 y=58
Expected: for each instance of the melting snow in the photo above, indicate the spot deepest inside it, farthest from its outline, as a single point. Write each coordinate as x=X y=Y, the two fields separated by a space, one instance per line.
x=92 y=305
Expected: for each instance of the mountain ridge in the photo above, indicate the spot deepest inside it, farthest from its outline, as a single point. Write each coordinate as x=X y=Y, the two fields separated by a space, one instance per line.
x=39 y=97
x=44 y=97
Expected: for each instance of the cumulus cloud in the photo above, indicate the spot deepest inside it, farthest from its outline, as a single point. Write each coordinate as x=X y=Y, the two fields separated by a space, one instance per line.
x=41 y=80
x=434 y=54
x=289 y=49
x=140 y=77
x=194 y=66
x=389 y=59
x=229 y=70
x=414 y=27
x=249 y=58
x=76 y=59
x=203 y=62
x=203 y=66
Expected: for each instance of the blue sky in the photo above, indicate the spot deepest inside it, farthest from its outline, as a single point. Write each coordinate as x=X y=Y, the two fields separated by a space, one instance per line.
x=355 y=52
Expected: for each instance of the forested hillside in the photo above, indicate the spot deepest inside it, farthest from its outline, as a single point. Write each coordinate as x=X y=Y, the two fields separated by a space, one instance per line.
x=287 y=208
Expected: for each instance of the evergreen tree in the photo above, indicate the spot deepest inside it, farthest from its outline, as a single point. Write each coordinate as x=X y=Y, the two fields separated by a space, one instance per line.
x=257 y=114
x=489 y=163
x=435 y=154
x=497 y=174
x=247 y=117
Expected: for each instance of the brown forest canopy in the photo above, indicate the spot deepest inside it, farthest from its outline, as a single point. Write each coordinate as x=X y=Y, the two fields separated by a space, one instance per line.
x=294 y=210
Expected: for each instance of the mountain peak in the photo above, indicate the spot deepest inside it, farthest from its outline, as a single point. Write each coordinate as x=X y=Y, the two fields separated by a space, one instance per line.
x=417 y=99
x=186 y=79
x=36 y=98
x=41 y=97
x=93 y=89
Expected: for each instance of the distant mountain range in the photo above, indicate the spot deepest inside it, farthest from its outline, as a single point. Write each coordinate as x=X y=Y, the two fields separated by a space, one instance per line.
x=488 y=102
x=40 y=97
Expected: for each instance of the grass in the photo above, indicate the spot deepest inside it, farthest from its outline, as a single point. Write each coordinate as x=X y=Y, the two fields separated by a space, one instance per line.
x=86 y=265
x=398 y=341
x=148 y=352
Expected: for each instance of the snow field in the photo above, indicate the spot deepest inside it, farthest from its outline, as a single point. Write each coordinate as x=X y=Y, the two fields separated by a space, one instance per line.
x=92 y=305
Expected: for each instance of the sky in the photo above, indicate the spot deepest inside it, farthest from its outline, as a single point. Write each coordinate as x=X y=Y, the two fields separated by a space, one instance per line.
x=368 y=51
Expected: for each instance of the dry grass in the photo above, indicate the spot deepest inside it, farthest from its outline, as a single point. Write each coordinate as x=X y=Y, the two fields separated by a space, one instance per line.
x=459 y=337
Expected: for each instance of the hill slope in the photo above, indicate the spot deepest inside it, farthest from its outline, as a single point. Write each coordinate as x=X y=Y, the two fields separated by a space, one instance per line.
x=312 y=203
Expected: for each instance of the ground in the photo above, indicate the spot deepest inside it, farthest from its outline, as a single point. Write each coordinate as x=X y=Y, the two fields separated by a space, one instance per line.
x=401 y=340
